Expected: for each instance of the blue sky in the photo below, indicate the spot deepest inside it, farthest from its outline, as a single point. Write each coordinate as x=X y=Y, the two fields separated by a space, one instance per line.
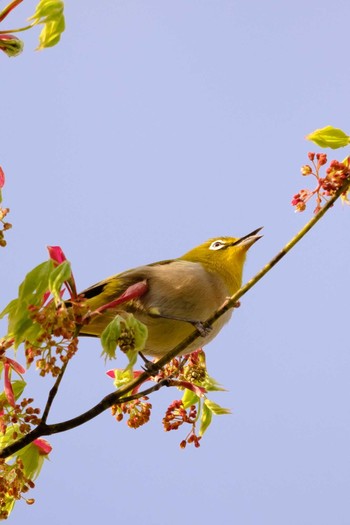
x=151 y=127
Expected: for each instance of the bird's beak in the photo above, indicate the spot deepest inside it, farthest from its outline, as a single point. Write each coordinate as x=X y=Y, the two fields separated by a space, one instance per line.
x=248 y=240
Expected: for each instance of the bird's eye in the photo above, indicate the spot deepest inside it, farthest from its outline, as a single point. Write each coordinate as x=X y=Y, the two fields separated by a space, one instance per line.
x=217 y=245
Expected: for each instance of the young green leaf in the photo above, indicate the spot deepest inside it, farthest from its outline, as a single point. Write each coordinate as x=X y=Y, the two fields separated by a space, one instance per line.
x=50 y=13
x=32 y=460
x=31 y=292
x=329 y=137
x=212 y=385
x=57 y=277
x=110 y=336
x=216 y=409
x=189 y=398
x=36 y=283
x=139 y=331
x=206 y=417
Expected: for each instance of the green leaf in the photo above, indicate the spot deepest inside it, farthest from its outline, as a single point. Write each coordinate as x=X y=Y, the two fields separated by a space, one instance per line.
x=216 y=409
x=32 y=460
x=212 y=385
x=329 y=137
x=139 y=331
x=206 y=417
x=132 y=358
x=57 y=277
x=122 y=377
x=10 y=308
x=51 y=14
x=7 y=438
x=189 y=398
x=51 y=34
x=36 y=283
x=31 y=292
x=110 y=336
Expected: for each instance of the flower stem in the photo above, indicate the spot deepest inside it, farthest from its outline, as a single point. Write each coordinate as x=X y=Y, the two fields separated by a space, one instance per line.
x=18 y=30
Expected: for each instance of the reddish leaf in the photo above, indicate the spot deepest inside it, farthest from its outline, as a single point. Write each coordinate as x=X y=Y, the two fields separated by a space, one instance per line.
x=56 y=254
x=2 y=178
x=8 y=385
x=43 y=446
x=16 y=366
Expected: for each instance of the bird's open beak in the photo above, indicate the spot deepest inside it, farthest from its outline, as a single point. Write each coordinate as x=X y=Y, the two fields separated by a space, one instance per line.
x=248 y=240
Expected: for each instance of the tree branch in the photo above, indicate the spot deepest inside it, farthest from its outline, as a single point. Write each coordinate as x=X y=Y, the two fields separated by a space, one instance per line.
x=120 y=395
x=53 y=392
x=111 y=399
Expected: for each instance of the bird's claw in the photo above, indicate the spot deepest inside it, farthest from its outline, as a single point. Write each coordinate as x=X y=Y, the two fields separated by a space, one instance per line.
x=149 y=366
x=202 y=328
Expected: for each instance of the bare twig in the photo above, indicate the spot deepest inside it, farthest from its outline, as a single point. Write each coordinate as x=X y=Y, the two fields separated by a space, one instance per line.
x=53 y=392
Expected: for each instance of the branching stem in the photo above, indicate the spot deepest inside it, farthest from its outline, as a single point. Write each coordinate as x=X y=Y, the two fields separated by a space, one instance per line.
x=120 y=396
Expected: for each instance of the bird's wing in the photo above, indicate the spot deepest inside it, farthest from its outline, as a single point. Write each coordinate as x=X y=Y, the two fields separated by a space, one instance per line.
x=120 y=288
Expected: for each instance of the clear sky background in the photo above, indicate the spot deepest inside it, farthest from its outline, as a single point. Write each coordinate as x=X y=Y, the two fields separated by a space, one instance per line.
x=152 y=126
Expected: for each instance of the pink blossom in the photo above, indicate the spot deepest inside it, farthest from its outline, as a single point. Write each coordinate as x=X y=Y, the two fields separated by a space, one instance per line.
x=2 y=178
x=56 y=254
x=43 y=446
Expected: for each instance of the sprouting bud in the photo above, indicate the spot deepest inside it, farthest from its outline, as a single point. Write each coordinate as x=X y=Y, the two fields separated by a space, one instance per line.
x=11 y=45
x=322 y=159
x=301 y=206
x=311 y=156
x=306 y=170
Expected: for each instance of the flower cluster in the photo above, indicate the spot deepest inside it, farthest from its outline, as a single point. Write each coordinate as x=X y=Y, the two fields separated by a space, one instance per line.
x=13 y=484
x=57 y=342
x=4 y=225
x=188 y=374
x=336 y=173
x=139 y=411
x=176 y=415
x=3 y=212
x=21 y=417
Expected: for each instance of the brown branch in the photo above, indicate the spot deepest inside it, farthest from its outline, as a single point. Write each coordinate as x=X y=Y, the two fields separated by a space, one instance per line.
x=52 y=393
x=117 y=397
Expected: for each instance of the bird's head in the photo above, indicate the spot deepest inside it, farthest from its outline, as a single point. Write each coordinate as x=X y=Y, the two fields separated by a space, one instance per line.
x=224 y=256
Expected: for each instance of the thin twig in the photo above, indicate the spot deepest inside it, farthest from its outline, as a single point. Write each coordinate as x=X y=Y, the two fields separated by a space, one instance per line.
x=53 y=392
x=47 y=430
x=117 y=397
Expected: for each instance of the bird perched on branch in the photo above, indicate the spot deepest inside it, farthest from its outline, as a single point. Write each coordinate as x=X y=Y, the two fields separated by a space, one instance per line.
x=170 y=297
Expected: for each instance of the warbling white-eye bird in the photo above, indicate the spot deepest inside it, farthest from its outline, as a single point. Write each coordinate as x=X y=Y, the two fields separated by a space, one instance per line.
x=170 y=297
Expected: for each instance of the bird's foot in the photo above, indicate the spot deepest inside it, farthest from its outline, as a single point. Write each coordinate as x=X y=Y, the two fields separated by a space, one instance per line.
x=149 y=366
x=203 y=328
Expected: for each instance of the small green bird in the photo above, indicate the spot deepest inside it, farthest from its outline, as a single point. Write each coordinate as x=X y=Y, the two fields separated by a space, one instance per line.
x=170 y=297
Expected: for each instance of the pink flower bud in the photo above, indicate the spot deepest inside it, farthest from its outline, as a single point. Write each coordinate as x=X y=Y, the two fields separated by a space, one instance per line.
x=56 y=254
x=11 y=45
x=2 y=178
x=43 y=446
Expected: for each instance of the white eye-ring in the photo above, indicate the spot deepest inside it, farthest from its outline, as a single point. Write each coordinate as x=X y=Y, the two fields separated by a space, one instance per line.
x=217 y=245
